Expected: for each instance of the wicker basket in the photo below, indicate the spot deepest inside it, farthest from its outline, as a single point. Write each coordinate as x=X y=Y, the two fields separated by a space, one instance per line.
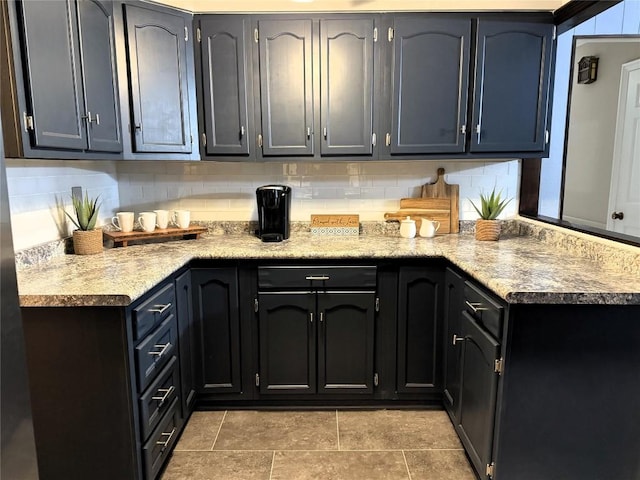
x=487 y=229
x=87 y=242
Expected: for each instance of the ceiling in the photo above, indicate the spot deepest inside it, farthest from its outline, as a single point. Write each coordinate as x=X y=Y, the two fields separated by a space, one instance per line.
x=227 y=6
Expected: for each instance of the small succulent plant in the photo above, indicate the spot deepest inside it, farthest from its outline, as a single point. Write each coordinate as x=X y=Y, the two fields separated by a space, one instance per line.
x=491 y=205
x=86 y=210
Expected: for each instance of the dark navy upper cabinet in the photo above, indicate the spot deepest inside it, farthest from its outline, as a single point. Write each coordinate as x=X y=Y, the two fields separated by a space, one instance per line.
x=69 y=76
x=225 y=85
x=511 y=86
x=430 y=83
x=286 y=87
x=347 y=86
x=157 y=62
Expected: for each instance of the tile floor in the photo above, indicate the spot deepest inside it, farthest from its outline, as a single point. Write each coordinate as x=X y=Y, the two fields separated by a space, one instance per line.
x=322 y=445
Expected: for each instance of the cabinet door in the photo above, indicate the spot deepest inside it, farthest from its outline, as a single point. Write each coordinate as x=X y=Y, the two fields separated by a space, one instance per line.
x=54 y=74
x=286 y=86
x=430 y=82
x=187 y=345
x=224 y=85
x=454 y=304
x=478 y=392
x=346 y=86
x=217 y=324
x=419 y=330
x=346 y=323
x=287 y=342
x=157 y=50
x=101 y=97
x=512 y=86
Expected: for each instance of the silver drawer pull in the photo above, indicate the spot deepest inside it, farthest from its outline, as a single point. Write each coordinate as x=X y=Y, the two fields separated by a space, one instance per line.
x=457 y=339
x=169 y=437
x=476 y=307
x=167 y=393
x=317 y=277
x=163 y=349
x=160 y=308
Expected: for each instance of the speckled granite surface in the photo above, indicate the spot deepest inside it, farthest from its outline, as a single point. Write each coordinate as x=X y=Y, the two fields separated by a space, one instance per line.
x=519 y=269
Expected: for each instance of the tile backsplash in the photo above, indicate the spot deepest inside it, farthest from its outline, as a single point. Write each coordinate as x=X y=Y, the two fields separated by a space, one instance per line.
x=226 y=191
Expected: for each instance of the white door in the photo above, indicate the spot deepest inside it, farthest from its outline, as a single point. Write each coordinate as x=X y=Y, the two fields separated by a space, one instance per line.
x=624 y=197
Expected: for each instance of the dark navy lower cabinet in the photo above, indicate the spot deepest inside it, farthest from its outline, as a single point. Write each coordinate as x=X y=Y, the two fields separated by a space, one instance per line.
x=453 y=342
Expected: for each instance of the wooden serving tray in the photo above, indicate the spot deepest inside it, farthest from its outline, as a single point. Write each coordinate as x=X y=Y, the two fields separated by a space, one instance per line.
x=121 y=239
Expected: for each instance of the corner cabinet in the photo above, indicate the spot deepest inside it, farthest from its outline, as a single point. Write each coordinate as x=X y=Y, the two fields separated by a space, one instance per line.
x=512 y=83
x=67 y=99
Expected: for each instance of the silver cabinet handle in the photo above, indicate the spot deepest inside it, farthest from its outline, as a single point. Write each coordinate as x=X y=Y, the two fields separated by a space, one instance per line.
x=259 y=139
x=387 y=139
x=97 y=119
x=374 y=139
x=324 y=132
x=163 y=349
x=321 y=317
x=457 y=339
x=160 y=308
x=463 y=130
x=308 y=132
x=88 y=118
x=242 y=130
x=167 y=393
x=317 y=277
x=476 y=307
x=169 y=437
x=311 y=317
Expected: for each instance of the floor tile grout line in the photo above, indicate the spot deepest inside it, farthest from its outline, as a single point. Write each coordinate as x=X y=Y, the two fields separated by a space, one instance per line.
x=338 y=430
x=406 y=464
x=219 y=428
x=273 y=461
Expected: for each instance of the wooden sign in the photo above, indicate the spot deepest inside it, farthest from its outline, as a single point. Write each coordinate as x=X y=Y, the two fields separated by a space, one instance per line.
x=335 y=224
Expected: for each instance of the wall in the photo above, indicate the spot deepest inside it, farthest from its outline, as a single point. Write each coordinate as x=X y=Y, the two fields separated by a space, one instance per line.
x=623 y=18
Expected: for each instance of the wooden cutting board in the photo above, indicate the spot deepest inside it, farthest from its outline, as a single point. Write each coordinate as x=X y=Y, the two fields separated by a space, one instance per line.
x=442 y=190
x=419 y=208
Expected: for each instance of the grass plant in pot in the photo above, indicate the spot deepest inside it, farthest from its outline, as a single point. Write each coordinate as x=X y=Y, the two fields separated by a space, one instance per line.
x=488 y=225
x=87 y=239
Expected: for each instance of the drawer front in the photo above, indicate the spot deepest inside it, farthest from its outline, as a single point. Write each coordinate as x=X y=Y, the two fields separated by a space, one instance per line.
x=158 y=397
x=161 y=442
x=489 y=312
x=155 y=351
x=153 y=311
x=317 y=277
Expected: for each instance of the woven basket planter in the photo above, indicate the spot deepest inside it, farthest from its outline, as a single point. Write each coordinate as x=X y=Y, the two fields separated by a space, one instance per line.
x=87 y=242
x=487 y=229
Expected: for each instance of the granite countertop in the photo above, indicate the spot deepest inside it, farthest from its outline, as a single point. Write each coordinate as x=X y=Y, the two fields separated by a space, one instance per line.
x=518 y=269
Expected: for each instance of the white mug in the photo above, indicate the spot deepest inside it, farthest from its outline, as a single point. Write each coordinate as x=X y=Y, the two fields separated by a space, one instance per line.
x=123 y=221
x=162 y=218
x=181 y=218
x=147 y=221
x=429 y=228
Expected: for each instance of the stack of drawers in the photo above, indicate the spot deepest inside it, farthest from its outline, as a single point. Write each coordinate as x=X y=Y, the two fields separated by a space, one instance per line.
x=155 y=334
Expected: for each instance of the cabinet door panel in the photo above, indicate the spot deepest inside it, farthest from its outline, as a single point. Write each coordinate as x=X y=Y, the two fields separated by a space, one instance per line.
x=419 y=337
x=454 y=304
x=287 y=342
x=512 y=86
x=346 y=86
x=158 y=74
x=346 y=323
x=286 y=87
x=430 y=82
x=54 y=74
x=217 y=324
x=96 y=40
x=225 y=85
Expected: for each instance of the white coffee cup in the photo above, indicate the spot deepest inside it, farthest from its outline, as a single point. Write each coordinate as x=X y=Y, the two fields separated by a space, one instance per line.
x=182 y=218
x=123 y=221
x=429 y=227
x=162 y=218
x=147 y=221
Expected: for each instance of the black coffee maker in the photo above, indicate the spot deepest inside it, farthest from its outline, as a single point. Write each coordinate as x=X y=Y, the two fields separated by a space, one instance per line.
x=274 y=204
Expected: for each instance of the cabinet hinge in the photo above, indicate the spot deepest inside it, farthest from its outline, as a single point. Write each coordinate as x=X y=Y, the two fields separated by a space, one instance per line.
x=198 y=35
x=498 y=366
x=390 y=34
x=257 y=379
x=375 y=34
x=186 y=34
x=255 y=305
x=490 y=469
x=375 y=380
x=546 y=136
x=255 y=35
x=28 y=121
x=204 y=139
x=377 y=304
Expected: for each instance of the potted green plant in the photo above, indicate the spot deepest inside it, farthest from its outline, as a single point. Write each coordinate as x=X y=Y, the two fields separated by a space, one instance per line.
x=87 y=239
x=492 y=205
